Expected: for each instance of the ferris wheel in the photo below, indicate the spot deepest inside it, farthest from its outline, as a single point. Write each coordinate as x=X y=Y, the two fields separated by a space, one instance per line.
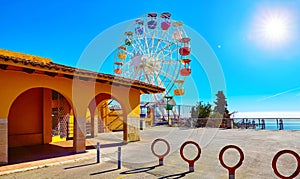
x=155 y=49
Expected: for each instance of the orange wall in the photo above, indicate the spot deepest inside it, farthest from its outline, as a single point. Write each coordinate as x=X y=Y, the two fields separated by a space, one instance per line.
x=79 y=94
x=25 y=120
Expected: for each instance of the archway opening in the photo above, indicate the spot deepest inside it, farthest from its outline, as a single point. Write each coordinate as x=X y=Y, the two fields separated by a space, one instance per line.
x=37 y=118
x=62 y=118
x=105 y=114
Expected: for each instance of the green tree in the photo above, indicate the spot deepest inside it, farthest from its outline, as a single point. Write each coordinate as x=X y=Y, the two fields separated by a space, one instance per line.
x=201 y=112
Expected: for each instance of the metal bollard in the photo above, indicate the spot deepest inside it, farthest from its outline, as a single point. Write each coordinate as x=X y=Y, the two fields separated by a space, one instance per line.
x=160 y=157
x=98 y=152
x=190 y=162
x=119 y=158
x=231 y=169
x=274 y=164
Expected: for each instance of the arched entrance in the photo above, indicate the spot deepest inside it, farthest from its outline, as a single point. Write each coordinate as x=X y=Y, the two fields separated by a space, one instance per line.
x=106 y=114
x=38 y=117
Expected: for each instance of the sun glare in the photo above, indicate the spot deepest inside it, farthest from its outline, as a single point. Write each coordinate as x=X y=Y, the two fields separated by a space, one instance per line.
x=273 y=27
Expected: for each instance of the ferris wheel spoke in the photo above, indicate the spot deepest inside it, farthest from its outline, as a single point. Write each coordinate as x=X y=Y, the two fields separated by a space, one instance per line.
x=168 y=76
x=153 y=38
x=159 y=41
x=146 y=40
x=142 y=46
x=139 y=47
x=152 y=43
x=165 y=47
x=169 y=62
x=147 y=77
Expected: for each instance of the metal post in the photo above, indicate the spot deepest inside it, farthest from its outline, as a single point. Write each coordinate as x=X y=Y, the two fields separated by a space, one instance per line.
x=119 y=158
x=161 y=161
x=179 y=113
x=231 y=177
x=98 y=152
x=191 y=169
x=170 y=123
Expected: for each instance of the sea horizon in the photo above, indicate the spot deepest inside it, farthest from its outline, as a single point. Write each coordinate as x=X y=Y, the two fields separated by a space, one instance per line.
x=291 y=119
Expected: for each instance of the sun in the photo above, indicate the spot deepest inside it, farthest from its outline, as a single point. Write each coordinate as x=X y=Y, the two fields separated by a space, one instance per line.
x=274 y=28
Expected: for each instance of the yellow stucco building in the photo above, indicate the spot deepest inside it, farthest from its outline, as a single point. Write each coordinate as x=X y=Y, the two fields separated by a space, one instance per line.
x=37 y=94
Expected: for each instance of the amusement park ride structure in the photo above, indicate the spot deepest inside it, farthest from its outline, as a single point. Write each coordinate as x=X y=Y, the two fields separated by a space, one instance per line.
x=155 y=49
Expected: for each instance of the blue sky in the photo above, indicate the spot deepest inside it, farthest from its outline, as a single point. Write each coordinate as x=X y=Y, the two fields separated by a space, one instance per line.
x=261 y=71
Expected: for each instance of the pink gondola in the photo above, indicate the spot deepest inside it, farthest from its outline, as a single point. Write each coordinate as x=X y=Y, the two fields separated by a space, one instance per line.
x=165 y=25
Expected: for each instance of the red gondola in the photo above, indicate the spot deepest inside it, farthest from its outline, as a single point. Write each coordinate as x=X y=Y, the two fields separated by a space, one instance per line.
x=185 y=71
x=118 y=70
x=184 y=51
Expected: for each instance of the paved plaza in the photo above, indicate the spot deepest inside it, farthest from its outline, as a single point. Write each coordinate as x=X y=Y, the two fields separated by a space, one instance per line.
x=259 y=148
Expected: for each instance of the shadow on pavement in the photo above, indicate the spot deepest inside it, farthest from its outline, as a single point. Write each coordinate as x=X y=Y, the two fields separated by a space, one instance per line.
x=113 y=144
x=106 y=171
x=47 y=151
x=174 y=176
x=139 y=170
x=37 y=152
x=78 y=166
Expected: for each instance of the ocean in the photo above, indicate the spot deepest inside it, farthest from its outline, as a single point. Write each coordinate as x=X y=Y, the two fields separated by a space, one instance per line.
x=271 y=124
x=291 y=119
x=288 y=124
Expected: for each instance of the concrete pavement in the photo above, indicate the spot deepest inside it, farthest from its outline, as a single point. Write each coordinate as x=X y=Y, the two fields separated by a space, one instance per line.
x=259 y=148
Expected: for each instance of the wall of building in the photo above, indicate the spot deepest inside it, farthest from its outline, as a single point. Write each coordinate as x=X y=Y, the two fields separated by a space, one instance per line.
x=29 y=120
x=21 y=108
x=25 y=124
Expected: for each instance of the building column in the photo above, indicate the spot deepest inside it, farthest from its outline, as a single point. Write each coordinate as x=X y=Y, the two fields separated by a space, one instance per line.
x=3 y=141
x=94 y=121
x=92 y=125
x=47 y=116
x=79 y=134
x=131 y=127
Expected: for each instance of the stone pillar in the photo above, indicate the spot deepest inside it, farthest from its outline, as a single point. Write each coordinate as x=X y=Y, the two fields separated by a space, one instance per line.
x=151 y=116
x=79 y=134
x=3 y=141
x=94 y=124
x=95 y=118
x=131 y=129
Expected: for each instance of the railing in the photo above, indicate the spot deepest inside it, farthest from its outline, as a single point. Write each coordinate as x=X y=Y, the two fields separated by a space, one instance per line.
x=267 y=123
